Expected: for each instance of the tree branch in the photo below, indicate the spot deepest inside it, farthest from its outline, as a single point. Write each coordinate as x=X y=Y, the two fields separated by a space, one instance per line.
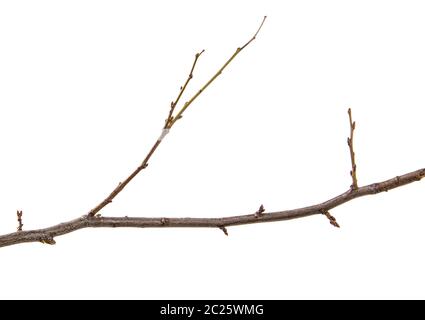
x=331 y=218
x=87 y=221
x=94 y=220
x=169 y=122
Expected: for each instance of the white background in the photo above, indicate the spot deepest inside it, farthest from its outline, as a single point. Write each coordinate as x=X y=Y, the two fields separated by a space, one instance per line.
x=86 y=85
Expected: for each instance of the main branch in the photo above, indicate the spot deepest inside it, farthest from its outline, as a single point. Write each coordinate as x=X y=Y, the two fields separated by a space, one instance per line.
x=48 y=234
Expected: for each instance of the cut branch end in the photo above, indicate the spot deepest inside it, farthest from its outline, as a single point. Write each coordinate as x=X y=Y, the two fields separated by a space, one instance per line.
x=171 y=119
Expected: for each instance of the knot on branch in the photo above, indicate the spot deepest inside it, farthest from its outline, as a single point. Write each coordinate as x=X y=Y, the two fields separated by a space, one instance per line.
x=224 y=229
x=331 y=218
x=353 y=172
x=380 y=187
x=165 y=221
x=260 y=212
x=47 y=239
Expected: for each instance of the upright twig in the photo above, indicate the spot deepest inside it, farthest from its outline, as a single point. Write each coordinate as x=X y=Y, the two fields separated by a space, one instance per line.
x=350 y=139
x=170 y=121
x=181 y=91
x=196 y=95
x=19 y=215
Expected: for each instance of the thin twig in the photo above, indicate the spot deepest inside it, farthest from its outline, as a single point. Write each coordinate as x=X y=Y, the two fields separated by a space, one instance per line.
x=122 y=185
x=196 y=95
x=182 y=89
x=20 y=224
x=168 y=124
x=140 y=222
x=255 y=35
x=331 y=218
x=350 y=139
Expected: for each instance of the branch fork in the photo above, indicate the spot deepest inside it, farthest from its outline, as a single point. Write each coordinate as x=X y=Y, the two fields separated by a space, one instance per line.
x=93 y=219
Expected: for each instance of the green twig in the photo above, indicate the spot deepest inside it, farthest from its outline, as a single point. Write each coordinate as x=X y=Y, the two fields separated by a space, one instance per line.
x=196 y=95
x=182 y=89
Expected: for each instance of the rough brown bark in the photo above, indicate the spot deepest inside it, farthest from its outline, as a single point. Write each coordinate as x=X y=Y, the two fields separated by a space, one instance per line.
x=94 y=220
x=47 y=235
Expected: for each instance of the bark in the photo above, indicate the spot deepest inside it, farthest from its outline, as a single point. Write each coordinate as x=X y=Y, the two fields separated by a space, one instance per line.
x=47 y=235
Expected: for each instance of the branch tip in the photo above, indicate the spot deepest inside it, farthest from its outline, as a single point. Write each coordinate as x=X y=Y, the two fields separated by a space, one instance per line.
x=199 y=54
x=331 y=218
x=224 y=229
x=261 y=25
x=171 y=122
x=165 y=221
x=254 y=37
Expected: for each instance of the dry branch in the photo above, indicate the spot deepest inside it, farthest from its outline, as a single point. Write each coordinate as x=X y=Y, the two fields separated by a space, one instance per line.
x=94 y=220
x=169 y=123
x=87 y=221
